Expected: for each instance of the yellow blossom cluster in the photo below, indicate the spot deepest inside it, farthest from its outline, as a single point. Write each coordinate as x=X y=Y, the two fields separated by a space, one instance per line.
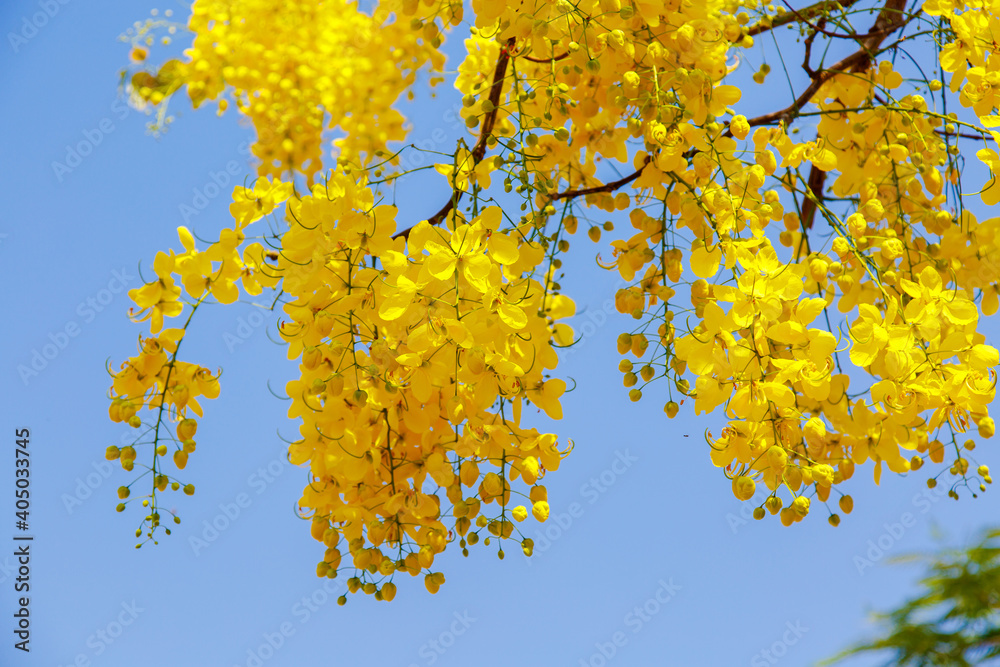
x=417 y=356
x=155 y=379
x=298 y=70
x=593 y=75
x=972 y=56
x=416 y=359
x=810 y=277
x=900 y=261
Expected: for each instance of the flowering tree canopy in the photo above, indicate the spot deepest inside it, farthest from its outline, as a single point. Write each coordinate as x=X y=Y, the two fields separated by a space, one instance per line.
x=810 y=269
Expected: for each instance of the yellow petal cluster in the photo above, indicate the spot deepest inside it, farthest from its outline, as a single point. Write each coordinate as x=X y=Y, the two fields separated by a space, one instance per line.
x=298 y=70
x=417 y=358
x=810 y=280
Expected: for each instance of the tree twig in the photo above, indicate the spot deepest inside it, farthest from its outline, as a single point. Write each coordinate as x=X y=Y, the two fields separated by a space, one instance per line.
x=891 y=18
x=817 y=179
x=820 y=8
x=546 y=60
x=607 y=187
x=479 y=150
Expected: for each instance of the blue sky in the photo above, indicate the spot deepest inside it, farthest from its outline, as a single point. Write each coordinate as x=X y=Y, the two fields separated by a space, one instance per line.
x=647 y=559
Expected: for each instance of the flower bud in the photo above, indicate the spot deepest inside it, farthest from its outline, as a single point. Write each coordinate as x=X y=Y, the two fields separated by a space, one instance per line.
x=186 y=429
x=744 y=487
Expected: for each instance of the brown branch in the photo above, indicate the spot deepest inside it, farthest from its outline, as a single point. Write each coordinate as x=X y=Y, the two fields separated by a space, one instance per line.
x=817 y=179
x=820 y=8
x=890 y=19
x=819 y=79
x=978 y=137
x=495 y=90
x=479 y=150
x=607 y=187
x=545 y=60
x=807 y=58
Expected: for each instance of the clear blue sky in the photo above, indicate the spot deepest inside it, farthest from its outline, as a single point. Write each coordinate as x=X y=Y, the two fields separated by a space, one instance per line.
x=651 y=518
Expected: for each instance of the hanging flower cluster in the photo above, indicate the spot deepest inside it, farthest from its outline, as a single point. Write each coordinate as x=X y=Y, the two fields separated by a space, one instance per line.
x=416 y=357
x=817 y=294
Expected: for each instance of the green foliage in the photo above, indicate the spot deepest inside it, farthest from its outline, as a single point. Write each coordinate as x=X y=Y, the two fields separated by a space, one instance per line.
x=955 y=621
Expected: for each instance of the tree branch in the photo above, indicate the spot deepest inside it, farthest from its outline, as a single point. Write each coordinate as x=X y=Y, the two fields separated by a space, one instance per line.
x=607 y=187
x=821 y=8
x=817 y=179
x=890 y=19
x=546 y=60
x=479 y=150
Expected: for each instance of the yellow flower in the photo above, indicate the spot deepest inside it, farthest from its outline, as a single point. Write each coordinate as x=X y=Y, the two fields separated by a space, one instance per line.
x=253 y=204
x=546 y=396
x=743 y=488
x=463 y=252
x=870 y=336
x=159 y=298
x=739 y=126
